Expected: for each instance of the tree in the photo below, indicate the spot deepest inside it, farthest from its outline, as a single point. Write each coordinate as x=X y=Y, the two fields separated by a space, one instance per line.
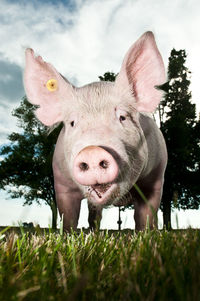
x=108 y=76
x=181 y=131
x=26 y=169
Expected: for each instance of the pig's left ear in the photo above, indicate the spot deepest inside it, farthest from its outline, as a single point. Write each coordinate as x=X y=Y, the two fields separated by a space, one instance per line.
x=45 y=87
x=142 y=70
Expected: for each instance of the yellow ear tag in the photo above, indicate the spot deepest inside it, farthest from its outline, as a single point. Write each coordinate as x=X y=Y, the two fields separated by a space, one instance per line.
x=52 y=85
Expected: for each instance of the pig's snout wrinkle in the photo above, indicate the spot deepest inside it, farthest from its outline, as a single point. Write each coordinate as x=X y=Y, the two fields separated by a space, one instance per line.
x=94 y=165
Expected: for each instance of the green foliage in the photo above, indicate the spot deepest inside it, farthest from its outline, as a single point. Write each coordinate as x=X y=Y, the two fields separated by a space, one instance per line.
x=108 y=77
x=26 y=169
x=100 y=266
x=181 y=131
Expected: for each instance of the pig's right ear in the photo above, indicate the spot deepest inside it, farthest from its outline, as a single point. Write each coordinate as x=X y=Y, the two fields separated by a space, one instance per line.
x=45 y=87
x=142 y=70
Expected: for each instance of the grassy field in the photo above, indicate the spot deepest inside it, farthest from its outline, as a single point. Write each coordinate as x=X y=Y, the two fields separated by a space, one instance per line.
x=156 y=265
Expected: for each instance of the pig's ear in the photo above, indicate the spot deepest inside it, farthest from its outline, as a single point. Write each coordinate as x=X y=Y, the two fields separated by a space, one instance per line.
x=45 y=87
x=142 y=70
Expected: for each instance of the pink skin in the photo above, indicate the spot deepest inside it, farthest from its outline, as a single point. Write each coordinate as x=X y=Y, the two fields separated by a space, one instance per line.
x=96 y=168
x=107 y=143
x=93 y=166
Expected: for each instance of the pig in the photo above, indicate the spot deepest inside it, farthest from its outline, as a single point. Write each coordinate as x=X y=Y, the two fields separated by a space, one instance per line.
x=109 y=141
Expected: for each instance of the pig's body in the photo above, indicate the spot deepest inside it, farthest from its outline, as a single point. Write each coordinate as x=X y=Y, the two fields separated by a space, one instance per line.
x=107 y=144
x=149 y=177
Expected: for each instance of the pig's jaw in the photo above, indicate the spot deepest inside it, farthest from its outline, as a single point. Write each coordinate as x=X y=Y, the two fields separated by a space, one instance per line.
x=102 y=194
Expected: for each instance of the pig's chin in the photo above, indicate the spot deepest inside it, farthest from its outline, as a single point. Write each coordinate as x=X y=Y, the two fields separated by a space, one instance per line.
x=102 y=194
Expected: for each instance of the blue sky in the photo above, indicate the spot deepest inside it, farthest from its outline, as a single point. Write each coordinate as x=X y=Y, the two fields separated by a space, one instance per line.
x=84 y=39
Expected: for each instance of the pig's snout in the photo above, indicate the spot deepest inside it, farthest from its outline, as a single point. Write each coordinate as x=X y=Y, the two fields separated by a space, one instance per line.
x=94 y=165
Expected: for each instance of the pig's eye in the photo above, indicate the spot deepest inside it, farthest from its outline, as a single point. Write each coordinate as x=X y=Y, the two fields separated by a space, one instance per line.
x=121 y=115
x=72 y=124
x=122 y=118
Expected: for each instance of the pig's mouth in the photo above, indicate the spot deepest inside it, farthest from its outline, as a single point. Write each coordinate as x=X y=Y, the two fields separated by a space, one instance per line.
x=102 y=194
x=100 y=189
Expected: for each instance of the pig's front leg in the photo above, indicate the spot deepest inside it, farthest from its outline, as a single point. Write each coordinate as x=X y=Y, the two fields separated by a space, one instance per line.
x=146 y=212
x=68 y=198
x=69 y=206
x=95 y=215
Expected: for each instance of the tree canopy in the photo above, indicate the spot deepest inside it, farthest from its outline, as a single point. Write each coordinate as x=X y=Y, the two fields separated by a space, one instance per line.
x=27 y=166
x=181 y=130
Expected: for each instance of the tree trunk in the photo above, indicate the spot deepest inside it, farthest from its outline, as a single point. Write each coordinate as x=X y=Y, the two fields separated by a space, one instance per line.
x=167 y=213
x=54 y=214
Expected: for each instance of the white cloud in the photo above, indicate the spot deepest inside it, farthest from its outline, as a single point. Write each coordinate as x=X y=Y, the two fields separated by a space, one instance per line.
x=85 y=42
x=97 y=32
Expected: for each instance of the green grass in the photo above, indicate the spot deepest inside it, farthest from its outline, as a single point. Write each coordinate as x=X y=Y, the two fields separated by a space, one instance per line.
x=100 y=266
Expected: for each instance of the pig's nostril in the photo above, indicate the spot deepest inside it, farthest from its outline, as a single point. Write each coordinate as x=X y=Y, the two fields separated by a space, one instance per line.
x=83 y=166
x=94 y=165
x=104 y=164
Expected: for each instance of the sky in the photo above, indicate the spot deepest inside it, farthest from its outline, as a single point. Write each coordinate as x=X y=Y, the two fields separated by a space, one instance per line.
x=85 y=39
